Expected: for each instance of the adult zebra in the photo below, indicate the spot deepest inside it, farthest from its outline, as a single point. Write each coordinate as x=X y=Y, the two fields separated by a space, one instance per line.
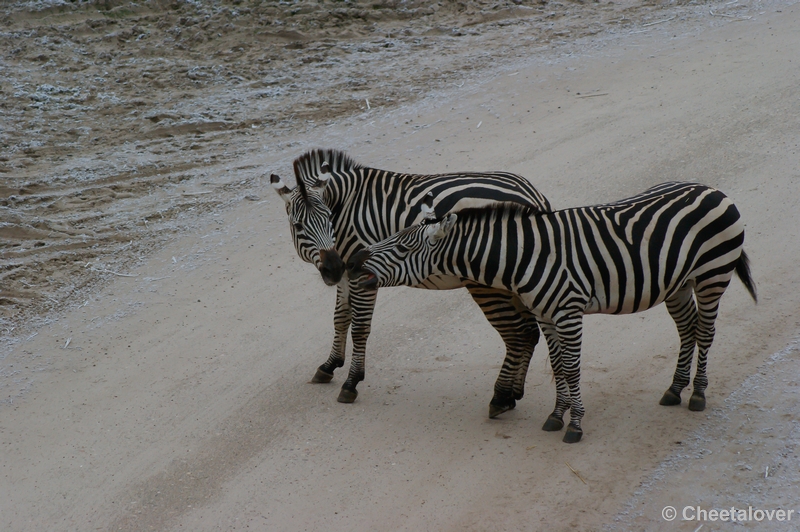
x=341 y=206
x=617 y=258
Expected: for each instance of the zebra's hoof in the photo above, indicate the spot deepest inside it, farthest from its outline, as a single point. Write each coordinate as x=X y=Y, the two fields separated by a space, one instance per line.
x=322 y=377
x=697 y=402
x=670 y=398
x=495 y=411
x=553 y=424
x=572 y=435
x=347 y=396
x=498 y=406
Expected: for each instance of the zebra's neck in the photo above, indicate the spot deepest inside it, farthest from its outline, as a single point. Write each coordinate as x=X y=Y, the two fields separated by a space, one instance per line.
x=495 y=248
x=369 y=205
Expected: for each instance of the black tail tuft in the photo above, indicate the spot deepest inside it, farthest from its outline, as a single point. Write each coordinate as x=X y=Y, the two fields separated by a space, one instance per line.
x=743 y=272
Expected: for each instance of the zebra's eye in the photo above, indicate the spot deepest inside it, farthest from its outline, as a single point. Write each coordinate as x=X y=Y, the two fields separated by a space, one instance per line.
x=297 y=226
x=401 y=248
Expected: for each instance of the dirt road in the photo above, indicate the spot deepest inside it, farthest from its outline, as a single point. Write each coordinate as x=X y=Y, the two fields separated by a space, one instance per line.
x=176 y=397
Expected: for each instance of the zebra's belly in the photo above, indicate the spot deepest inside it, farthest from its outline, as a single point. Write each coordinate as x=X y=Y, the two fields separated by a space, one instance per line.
x=630 y=305
x=440 y=282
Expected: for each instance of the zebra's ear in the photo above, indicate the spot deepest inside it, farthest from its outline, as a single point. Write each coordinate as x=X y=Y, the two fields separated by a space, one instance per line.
x=427 y=209
x=324 y=176
x=448 y=223
x=283 y=191
x=439 y=230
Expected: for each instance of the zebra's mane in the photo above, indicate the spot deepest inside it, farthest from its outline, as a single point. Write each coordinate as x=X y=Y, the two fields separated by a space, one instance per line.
x=501 y=209
x=307 y=166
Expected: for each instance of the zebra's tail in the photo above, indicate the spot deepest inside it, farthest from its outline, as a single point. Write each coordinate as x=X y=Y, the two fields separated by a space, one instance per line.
x=743 y=272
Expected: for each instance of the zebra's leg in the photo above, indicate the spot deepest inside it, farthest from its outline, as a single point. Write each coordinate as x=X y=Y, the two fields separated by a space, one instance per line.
x=570 y=331
x=362 y=303
x=527 y=355
x=707 y=307
x=555 y=421
x=532 y=333
x=683 y=310
x=341 y=324
x=520 y=332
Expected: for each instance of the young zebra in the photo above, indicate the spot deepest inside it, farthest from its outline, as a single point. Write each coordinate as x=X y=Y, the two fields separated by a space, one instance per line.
x=617 y=258
x=341 y=206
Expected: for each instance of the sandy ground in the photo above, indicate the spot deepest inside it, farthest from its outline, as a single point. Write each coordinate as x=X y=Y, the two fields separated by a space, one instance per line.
x=154 y=375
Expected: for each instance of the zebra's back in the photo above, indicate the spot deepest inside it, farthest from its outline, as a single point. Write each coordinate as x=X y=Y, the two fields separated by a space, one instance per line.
x=369 y=205
x=632 y=254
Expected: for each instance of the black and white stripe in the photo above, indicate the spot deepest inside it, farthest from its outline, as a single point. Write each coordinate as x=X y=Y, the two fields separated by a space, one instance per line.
x=678 y=243
x=340 y=206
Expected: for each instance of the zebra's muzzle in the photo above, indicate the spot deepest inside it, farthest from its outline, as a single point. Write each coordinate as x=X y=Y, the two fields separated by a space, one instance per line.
x=331 y=266
x=355 y=267
x=367 y=280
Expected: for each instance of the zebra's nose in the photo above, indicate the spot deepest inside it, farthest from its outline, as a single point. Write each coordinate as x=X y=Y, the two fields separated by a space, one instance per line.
x=357 y=261
x=331 y=267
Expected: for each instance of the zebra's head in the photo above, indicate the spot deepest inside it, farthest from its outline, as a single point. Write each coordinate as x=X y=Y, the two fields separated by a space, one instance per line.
x=311 y=226
x=405 y=259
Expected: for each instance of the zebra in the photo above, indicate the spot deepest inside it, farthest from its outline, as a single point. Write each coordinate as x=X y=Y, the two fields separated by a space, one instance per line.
x=673 y=243
x=340 y=206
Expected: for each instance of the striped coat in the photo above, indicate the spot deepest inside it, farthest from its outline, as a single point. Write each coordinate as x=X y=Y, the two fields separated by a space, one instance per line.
x=678 y=243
